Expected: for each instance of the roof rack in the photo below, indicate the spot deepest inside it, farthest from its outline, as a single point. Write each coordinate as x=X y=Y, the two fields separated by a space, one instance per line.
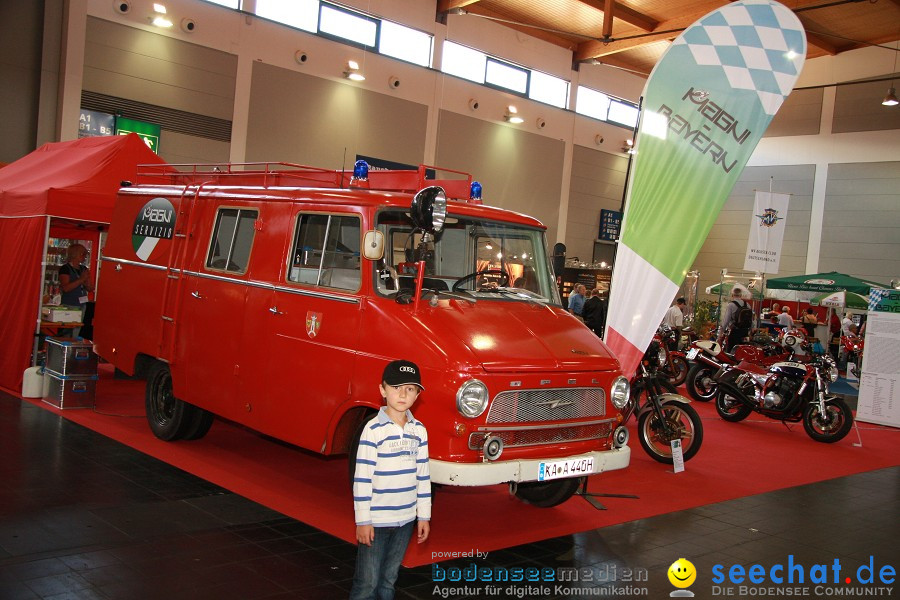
x=281 y=174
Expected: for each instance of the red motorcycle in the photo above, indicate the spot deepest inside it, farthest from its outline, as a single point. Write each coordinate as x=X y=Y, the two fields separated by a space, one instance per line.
x=673 y=364
x=710 y=356
x=852 y=350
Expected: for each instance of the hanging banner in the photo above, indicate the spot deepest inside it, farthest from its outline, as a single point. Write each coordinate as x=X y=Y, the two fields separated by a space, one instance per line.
x=879 y=386
x=704 y=109
x=766 y=232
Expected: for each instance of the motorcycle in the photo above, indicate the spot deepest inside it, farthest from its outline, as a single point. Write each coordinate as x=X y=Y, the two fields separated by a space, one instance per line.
x=708 y=357
x=789 y=391
x=662 y=415
x=673 y=363
x=852 y=350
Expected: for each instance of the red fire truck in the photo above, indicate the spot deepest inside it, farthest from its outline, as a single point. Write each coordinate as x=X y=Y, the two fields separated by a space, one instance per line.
x=274 y=294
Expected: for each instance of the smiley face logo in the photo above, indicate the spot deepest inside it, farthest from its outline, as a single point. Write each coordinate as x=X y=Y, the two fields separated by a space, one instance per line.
x=682 y=573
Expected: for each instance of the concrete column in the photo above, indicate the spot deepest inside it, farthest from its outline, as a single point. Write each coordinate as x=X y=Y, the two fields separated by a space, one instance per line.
x=820 y=187
x=71 y=69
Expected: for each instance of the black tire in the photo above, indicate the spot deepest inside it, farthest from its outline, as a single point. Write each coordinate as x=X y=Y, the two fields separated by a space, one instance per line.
x=546 y=494
x=700 y=383
x=167 y=415
x=354 y=445
x=730 y=408
x=678 y=370
x=199 y=424
x=687 y=426
x=840 y=420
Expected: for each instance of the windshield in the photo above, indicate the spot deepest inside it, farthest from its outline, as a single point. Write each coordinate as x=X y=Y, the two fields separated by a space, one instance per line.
x=484 y=259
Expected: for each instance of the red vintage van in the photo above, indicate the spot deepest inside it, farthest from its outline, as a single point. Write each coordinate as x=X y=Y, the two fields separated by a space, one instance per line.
x=274 y=294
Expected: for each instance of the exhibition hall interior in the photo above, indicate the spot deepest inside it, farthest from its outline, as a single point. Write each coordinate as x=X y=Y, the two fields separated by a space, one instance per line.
x=643 y=256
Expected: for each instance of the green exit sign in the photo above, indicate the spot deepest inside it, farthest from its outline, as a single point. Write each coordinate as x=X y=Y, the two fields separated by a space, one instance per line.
x=149 y=132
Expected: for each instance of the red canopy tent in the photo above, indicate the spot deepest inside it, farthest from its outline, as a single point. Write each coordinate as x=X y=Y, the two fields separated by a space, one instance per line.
x=70 y=184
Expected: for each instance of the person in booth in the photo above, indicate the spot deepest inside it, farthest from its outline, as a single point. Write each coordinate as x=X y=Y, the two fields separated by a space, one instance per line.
x=674 y=319
x=391 y=484
x=594 y=312
x=75 y=283
x=809 y=322
x=576 y=301
x=735 y=323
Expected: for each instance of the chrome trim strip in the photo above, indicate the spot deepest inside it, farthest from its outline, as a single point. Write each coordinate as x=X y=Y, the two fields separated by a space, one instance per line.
x=554 y=426
x=248 y=283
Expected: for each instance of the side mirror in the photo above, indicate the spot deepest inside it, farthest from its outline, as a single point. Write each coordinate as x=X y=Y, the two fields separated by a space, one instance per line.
x=373 y=245
x=429 y=209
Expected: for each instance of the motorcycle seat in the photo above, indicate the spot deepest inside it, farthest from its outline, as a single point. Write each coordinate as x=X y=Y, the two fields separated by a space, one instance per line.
x=710 y=346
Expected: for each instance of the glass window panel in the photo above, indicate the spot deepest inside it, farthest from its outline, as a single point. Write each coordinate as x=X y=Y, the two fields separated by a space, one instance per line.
x=348 y=26
x=622 y=113
x=591 y=103
x=404 y=43
x=302 y=14
x=548 y=89
x=243 y=241
x=507 y=76
x=232 y=240
x=222 y=236
x=463 y=62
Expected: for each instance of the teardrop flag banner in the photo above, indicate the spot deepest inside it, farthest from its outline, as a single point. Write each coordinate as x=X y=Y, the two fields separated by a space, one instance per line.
x=704 y=109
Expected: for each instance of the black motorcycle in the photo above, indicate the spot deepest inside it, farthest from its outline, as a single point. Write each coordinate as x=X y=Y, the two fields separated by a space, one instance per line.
x=663 y=415
x=789 y=392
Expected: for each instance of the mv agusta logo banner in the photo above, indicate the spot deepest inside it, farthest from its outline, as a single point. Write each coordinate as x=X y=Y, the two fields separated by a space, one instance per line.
x=155 y=221
x=703 y=110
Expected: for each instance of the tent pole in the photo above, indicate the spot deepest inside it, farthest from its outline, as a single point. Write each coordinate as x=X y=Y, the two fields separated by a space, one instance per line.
x=37 y=325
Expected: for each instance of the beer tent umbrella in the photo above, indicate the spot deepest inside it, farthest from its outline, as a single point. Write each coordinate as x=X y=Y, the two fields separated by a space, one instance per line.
x=841 y=299
x=724 y=290
x=70 y=184
x=822 y=282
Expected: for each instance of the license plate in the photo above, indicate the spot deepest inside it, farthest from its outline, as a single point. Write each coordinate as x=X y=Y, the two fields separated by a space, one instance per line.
x=575 y=467
x=692 y=353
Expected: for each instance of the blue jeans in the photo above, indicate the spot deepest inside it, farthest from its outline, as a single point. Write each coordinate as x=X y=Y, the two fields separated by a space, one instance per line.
x=377 y=565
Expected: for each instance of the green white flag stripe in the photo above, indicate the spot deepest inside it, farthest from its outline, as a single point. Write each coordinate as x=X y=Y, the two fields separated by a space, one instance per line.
x=705 y=107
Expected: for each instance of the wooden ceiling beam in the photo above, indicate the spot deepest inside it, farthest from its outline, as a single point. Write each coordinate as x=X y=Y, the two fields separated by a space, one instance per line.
x=624 y=13
x=445 y=6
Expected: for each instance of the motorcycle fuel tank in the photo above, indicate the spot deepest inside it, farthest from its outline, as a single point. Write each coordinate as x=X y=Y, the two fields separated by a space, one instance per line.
x=791 y=369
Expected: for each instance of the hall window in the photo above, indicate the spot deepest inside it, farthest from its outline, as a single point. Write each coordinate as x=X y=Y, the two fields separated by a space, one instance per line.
x=348 y=25
x=597 y=105
x=302 y=14
x=232 y=240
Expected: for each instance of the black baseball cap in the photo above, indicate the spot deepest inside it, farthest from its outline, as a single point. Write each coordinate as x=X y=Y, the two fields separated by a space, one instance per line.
x=402 y=372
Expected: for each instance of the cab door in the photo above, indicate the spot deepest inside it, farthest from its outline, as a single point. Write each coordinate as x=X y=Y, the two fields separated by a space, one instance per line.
x=315 y=337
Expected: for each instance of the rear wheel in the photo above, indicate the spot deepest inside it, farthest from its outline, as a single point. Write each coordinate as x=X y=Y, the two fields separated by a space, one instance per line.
x=700 y=383
x=730 y=408
x=199 y=424
x=831 y=426
x=680 y=422
x=168 y=416
x=545 y=494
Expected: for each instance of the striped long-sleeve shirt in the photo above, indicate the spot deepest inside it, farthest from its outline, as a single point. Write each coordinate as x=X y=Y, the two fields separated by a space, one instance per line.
x=391 y=484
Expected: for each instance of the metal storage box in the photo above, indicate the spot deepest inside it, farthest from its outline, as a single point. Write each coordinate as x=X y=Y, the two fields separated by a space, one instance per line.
x=71 y=391
x=67 y=356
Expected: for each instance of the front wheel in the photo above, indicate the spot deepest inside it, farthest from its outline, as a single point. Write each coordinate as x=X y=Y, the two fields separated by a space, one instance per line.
x=677 y=370
x=831 y=426
x=700 y=383
x=545 y=494
x=680 y=422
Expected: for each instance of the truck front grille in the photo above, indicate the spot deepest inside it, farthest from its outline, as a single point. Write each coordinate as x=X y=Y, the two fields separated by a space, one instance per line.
x=513 y=438
x=562 y=404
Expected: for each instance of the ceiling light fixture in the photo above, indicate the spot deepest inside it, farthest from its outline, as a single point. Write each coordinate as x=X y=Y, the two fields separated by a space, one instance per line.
x=891 y=98
x=352 y=71
x=628 y=146
x=159 y=18
x=512 y=115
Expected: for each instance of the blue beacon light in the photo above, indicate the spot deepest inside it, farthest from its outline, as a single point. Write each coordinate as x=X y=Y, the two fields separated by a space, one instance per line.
x=361 y=170
x=475 y=193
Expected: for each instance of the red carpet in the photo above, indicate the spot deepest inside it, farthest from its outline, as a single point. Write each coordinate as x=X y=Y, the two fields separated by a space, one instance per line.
x=736 y=460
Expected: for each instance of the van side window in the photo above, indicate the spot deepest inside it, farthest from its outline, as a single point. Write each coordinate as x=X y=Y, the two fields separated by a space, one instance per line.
x=326 y=251
x=232 y=240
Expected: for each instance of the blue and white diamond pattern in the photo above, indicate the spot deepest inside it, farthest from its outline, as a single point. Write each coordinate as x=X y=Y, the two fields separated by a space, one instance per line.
x=751 y=42
x=875 y=297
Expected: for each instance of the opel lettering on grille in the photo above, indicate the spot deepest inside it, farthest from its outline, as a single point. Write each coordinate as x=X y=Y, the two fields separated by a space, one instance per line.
x=555 y=403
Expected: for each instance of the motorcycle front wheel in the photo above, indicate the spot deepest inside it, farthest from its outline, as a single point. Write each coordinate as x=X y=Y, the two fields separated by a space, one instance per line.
x=730 y=408
x=700 y=383
x=684 y=424
x=831 y=426
x=677 y=370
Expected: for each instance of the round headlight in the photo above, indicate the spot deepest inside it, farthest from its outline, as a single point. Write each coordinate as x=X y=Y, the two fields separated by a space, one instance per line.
x=833 y=373
x=471 y=398
x=619 y=392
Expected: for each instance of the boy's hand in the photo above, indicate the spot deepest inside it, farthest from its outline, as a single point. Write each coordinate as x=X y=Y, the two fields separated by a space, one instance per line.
x=365 y=534
x=424 y=530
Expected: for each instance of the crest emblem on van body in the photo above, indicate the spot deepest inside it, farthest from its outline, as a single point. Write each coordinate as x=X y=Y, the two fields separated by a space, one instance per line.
x=313 y=323
x=154 y=222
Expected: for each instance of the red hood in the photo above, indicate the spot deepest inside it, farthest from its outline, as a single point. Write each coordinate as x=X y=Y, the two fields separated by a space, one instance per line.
x=518 y=336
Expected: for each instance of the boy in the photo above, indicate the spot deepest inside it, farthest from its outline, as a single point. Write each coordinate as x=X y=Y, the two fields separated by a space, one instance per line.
x=391 y=485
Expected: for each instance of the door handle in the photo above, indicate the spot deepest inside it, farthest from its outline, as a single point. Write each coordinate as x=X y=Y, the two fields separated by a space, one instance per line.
x=196 y=294
x=274 y=310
